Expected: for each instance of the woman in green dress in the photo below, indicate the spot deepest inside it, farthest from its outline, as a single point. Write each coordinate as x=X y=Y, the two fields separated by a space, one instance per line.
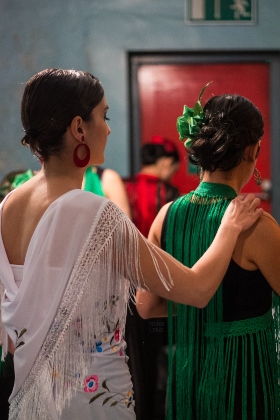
x=225 y=362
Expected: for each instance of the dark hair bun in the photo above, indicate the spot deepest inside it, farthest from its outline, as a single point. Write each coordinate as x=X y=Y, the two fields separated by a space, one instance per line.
x=232 y=123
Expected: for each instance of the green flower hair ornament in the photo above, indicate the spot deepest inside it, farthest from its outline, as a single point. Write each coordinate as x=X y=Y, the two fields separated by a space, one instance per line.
x=190 y=123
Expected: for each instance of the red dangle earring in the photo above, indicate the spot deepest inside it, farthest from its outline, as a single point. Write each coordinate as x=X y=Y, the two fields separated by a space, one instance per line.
x=257 y=176
x=81 y=163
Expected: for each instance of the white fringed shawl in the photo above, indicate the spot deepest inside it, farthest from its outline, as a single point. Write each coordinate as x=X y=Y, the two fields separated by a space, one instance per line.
x=74 y=281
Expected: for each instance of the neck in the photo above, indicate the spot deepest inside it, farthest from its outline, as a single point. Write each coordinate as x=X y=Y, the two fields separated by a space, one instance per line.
x=67 y=176
x=227 y=178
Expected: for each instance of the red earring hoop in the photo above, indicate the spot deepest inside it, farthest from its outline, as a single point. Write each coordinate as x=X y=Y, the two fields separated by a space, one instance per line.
x=81 y=163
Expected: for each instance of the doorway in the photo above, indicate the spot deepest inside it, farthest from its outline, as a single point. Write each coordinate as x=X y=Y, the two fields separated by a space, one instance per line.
x=161 y=84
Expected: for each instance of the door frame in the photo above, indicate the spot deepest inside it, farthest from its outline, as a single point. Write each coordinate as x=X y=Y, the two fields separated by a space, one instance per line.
x=137 y=59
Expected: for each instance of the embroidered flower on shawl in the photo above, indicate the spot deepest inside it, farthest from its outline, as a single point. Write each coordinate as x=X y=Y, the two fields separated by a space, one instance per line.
x=114 y=348
x=113 y=398
x=129 y=398
x=91 y=383
x=19 y=342
x=117 y=335
x=121 y=352
x=98 y=345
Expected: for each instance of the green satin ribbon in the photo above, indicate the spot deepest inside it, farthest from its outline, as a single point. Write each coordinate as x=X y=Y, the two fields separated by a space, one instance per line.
x=189 y=124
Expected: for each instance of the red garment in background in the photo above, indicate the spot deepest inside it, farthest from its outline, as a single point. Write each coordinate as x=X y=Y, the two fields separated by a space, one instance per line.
x=147 y=194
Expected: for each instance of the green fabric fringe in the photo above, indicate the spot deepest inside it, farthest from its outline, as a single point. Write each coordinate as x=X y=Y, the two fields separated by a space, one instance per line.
x=203 y=361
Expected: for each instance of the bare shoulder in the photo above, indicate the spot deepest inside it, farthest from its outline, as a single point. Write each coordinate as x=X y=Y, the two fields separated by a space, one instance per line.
x=268 y=219
x=264 y=233
x=156 y=228
x=258 y=243
x=265 y=225
x=161 y=214
x=109 y=175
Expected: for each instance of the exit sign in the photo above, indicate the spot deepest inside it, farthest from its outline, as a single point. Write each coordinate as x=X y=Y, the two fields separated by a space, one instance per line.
x=241 y=12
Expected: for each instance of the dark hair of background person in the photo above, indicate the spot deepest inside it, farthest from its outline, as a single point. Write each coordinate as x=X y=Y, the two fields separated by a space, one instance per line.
x=51 y=99
x=150 y=153
x=232 y=123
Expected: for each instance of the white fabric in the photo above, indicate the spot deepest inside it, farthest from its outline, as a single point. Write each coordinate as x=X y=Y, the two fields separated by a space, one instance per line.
x=73 y=286
x=34 y=304
x=18 y=273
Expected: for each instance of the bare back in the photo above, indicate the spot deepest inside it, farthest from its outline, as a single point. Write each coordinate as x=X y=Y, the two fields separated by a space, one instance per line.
x=22 y=212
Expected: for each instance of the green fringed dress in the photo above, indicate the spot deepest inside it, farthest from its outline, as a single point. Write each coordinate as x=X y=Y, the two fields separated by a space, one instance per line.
x=223 y=362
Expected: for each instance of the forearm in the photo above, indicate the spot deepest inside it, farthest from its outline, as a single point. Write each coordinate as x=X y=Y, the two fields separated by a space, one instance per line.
x=196 y=286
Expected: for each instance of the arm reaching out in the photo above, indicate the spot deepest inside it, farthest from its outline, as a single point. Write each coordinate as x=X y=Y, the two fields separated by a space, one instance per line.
x=196 y=286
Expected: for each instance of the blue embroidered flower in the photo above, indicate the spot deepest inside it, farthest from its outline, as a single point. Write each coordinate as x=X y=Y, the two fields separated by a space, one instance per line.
x=98 y=346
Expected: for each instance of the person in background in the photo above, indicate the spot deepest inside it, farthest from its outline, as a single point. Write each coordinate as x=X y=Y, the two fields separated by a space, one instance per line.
x=226 y=361
x=7 y=182
x=108 y=183
x=148 y=191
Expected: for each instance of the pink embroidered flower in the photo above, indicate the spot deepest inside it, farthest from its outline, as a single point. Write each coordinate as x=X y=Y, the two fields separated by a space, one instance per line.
x=91 y=383
x=117 y=335
x=121 y=352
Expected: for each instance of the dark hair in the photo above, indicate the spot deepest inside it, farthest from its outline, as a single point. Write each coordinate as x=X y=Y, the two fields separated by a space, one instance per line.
x=232 y=123
x=150 y=153
x=51 y=99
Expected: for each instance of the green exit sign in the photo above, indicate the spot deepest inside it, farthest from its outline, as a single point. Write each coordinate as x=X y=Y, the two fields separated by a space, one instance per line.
x=221 y=12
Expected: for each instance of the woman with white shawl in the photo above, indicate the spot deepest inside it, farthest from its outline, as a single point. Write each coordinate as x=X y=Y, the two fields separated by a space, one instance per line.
x=69 y=260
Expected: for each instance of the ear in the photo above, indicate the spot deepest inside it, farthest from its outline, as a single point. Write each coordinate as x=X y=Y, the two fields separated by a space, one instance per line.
x=76 y=128
x=251 y=152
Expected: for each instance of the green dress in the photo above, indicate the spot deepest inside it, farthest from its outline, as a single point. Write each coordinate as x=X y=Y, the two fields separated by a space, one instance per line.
x=92 y=180
x=222 y=364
